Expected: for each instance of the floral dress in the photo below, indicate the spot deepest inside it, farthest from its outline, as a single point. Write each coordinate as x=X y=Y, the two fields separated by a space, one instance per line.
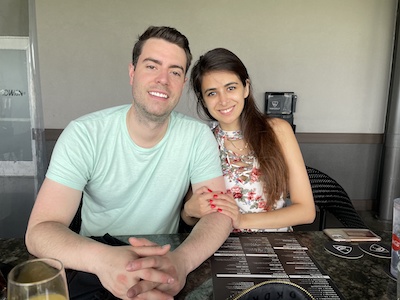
x=242 y=179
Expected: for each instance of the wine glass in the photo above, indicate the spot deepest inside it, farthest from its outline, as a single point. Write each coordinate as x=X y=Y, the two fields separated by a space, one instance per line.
x=3 y=287
x=38 y=279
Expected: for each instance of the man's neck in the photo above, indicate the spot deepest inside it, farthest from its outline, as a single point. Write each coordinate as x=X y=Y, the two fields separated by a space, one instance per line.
x=145 y=133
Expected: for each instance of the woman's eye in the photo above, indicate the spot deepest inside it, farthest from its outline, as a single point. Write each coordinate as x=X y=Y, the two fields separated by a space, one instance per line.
x=210 y=94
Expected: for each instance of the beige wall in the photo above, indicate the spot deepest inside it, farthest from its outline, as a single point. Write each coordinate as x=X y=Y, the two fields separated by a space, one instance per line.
x=334 y=54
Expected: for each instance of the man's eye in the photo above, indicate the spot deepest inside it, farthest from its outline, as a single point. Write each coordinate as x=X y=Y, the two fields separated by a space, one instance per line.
x=231 y=88
x=151 y=67
x=176 y=73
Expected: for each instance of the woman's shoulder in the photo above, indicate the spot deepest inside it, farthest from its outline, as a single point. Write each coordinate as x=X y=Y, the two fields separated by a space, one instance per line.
x=282 y=130
x=279 y=125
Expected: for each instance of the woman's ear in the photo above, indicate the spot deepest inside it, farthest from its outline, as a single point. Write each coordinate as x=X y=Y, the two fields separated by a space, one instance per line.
x=247 y=89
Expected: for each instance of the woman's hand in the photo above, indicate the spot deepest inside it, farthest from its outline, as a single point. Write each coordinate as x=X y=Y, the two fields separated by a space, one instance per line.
x=205 y=201
x=199 y=203
x=226 y=204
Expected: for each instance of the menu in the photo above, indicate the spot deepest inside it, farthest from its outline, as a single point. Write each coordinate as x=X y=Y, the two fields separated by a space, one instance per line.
x=248 y=259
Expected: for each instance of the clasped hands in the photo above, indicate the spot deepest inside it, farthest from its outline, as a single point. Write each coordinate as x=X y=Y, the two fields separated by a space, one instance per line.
x=150 y=271
x=143 y=270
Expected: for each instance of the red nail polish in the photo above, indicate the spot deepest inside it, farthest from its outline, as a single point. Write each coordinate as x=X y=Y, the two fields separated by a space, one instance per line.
x=212 y=206
x=215 y=196
x=209 y=190
x=210 y=201
x=219 y=210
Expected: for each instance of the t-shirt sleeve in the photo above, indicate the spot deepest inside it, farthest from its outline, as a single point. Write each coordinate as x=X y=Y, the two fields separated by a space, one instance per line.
x=207 y=164
x=72 y=157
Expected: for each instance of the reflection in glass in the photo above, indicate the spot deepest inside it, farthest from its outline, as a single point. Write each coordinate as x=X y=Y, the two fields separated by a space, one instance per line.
x=15 y=123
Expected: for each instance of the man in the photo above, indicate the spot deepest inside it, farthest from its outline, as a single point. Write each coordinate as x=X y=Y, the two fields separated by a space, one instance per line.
x=134 y=164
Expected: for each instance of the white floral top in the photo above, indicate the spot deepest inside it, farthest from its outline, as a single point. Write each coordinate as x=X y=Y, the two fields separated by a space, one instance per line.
x=242 y=173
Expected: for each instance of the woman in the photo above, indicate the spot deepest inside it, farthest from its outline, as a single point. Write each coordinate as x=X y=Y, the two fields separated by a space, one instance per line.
x=261 y=159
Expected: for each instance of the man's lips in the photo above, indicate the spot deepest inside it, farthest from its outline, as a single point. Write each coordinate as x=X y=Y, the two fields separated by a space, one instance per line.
x=159 y=95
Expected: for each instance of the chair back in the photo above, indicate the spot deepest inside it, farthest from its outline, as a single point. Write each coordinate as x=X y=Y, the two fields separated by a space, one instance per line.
x=329 y=196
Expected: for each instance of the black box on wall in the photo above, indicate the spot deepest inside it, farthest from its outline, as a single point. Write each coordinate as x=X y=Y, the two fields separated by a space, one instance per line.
x=281 y=105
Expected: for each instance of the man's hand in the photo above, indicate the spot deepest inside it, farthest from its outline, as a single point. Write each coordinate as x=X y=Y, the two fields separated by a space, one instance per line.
x=168 y=263
x=118 y=279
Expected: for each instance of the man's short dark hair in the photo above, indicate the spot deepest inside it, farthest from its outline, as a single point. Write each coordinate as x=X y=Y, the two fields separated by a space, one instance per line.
x=166 y=33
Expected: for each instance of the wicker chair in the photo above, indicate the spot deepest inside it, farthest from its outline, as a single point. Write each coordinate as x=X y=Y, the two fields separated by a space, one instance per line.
x=330 y=197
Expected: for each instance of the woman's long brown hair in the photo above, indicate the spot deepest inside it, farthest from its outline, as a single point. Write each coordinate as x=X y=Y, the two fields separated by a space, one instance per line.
x=255 y=126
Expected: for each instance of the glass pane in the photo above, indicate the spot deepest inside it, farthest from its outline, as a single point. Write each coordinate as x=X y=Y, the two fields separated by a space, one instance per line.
x=15 y=126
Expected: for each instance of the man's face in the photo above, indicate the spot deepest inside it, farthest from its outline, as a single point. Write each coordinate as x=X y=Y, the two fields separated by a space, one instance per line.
x=157 y=80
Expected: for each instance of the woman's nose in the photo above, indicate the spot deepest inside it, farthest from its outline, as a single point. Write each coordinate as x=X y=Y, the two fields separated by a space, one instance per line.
x=223 y=99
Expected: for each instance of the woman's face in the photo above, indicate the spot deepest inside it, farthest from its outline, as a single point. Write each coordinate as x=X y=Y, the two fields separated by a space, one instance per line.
x=224 y=95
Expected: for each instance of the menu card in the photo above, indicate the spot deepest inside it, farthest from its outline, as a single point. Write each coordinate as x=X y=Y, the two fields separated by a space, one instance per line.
x=245 y=260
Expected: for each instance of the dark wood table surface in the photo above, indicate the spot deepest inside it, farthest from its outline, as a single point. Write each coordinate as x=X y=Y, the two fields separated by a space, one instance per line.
x=364 y=278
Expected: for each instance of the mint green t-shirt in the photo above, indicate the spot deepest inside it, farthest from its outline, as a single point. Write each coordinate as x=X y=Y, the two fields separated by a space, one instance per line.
x=129 y=189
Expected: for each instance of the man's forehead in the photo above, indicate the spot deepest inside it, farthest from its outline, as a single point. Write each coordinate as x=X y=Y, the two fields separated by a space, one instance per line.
x=163 y=51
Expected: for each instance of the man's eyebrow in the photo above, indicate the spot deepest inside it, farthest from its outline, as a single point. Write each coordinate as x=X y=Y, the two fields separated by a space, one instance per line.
x=177 y=67
x=158 y=62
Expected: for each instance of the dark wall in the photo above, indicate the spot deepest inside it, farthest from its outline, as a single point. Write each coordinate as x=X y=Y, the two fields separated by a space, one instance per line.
x=355 y=167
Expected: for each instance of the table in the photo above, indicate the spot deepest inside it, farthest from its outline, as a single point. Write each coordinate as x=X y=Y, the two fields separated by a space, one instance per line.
x=364 y=278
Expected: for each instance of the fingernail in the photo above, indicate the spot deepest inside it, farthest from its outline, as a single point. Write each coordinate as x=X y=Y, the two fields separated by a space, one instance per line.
x=131 y=294
x=219 y=210
x=209 y=190
x=212 y=206
x=170 y=280
x=215 y=196
x=210 y=201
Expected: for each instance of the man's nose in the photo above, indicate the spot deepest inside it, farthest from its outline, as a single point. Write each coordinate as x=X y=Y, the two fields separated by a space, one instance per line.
x=163 y=77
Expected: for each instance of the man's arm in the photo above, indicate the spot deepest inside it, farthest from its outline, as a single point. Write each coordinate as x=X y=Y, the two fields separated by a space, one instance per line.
x=206 y=237
x=210 y=231
x=48 y=235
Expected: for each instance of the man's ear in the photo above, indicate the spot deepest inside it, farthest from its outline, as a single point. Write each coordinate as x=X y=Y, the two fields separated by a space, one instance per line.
x=131 y=70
